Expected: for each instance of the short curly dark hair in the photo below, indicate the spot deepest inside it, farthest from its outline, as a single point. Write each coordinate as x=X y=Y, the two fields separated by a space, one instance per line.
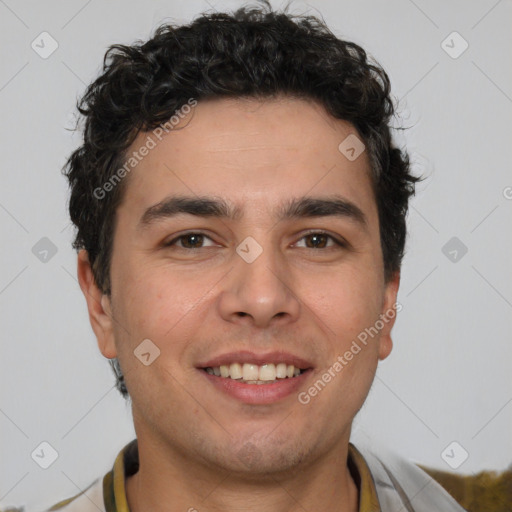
x=254 y=52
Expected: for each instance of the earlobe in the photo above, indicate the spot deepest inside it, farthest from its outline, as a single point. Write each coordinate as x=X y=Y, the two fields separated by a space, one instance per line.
x=385 y=346
x=98 y=305
x=388 y=315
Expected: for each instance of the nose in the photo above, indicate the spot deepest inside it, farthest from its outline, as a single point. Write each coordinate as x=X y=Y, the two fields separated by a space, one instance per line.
x=259 y=293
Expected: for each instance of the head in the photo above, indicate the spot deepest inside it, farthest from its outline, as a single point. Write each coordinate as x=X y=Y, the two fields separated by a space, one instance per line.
x=249 y=111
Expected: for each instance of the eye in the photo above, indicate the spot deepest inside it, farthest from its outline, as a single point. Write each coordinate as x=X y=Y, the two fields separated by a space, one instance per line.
x=314 y=240
x=319 y=240
x=190 y=240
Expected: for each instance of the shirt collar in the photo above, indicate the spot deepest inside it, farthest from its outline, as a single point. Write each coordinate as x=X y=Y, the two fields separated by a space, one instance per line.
x=127 y=464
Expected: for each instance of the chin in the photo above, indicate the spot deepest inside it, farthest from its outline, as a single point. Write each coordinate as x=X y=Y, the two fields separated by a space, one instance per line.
x=260 y=460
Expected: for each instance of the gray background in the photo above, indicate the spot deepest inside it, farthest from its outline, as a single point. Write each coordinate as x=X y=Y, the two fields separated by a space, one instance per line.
x=448 y=377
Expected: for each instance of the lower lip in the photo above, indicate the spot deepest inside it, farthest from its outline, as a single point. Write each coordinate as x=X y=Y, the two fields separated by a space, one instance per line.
x=258 y=393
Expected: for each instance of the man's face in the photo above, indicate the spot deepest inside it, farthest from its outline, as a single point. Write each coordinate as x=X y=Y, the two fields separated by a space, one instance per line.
x=211 y=299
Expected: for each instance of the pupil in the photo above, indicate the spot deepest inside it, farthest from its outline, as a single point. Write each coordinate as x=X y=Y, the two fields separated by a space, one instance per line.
x=197 y=239
x=317 y=237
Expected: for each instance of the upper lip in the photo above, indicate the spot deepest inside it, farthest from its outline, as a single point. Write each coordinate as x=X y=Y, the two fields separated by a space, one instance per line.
x=246 y=356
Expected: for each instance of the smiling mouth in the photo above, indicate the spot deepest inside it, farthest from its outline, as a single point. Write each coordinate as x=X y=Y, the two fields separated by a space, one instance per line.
x=255 y=374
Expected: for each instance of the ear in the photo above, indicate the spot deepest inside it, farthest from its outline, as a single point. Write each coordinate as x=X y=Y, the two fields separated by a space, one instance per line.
x=390 y=308
x=99 y=306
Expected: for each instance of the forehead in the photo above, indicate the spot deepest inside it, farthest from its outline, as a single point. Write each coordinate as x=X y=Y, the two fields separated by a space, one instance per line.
x=255 y=152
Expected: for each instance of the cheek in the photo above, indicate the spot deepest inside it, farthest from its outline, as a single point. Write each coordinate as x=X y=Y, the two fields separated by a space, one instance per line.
x=166 y=308
x=154 y=299
x=347 y=301
x=150 y=309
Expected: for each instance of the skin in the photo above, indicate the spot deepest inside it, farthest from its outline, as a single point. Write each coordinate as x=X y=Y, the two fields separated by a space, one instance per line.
x=195 y=304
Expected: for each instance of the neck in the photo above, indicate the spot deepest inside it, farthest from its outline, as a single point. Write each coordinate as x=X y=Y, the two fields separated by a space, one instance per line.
x=175 y=483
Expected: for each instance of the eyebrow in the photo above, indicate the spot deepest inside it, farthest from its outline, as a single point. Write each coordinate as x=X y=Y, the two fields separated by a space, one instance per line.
x=212 y=207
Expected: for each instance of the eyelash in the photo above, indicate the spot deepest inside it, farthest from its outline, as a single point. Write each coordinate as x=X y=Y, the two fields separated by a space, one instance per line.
x=338 y=242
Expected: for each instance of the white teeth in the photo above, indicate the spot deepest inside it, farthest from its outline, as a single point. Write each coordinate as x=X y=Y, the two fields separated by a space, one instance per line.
x=281 y=370
x=235 y=371
x=268 y=372
x=250 y=371
x=254 y=374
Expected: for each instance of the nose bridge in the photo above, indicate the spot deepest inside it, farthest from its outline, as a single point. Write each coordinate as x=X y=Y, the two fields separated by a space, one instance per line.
x=259 y=285
x=261 y=276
